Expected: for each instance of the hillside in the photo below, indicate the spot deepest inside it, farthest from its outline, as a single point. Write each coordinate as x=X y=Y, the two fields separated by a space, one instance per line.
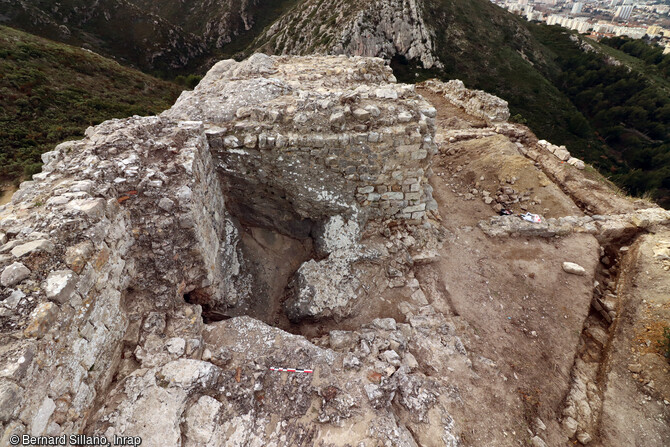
x=50 y=92
x=147 y=41
x=473 y=40
x=626 y=101
x=158 y=36
x=528 y=65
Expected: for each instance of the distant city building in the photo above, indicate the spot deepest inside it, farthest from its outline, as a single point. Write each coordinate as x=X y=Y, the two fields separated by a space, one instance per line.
x=632 y=32
x=603 y=28
x=623 y=12
x=576 y=17
x=654 y=30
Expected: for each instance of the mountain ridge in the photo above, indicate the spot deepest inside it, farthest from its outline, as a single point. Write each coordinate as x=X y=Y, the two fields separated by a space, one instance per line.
x=475 y=41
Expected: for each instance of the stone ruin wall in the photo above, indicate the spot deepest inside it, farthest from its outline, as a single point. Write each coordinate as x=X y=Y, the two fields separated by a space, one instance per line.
x=477 y=103
x=309 y=144
x=105 y=256
x=495 y=112
x=100 y=249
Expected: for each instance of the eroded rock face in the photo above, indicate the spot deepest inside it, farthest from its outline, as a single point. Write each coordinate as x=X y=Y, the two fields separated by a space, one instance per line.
x=378 y=28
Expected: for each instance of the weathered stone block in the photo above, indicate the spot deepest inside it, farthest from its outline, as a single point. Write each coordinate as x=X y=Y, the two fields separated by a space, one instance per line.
x=361 y=114
x=14 y=274
x=41 y=419
x=40 y=245
x=10 y=400
x=415 y=208
x=392 y=196
x=419 y=155
x=60 y=285
x=41 y=320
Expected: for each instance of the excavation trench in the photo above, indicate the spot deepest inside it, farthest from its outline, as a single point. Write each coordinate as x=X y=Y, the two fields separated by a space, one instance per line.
x=583 y=404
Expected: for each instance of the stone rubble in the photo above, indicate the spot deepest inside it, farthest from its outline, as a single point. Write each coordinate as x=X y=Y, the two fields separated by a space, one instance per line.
x=475 y=102
x=562 y=154
x=607 y=228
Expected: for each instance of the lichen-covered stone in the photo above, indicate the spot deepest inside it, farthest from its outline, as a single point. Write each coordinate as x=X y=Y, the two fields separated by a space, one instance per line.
x=60 y=285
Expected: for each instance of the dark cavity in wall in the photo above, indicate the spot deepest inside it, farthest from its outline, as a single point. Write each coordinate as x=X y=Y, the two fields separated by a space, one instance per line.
x=203 y=297
x=270 y=260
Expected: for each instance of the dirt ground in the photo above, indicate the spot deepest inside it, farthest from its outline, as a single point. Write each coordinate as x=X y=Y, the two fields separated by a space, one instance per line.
x=523 y=313
x=519 y=315
x=6 y=192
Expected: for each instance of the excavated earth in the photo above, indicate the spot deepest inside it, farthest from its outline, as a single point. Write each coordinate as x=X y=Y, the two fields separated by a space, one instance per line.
x=312 y=214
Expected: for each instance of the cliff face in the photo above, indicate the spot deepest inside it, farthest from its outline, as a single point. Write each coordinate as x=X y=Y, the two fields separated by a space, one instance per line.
x=172 y=34
x=368 y=28
x=303 y=252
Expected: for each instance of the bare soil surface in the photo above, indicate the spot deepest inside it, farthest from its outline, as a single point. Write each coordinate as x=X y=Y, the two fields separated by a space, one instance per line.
x=6 y=193
x=525 y=312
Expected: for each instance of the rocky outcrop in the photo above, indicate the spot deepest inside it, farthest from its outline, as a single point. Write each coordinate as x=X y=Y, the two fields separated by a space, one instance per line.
x=184 y=33
x=380 y=28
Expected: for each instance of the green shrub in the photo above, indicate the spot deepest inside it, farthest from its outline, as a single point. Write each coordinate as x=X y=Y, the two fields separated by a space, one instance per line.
x=52 y=92
x=518 y=119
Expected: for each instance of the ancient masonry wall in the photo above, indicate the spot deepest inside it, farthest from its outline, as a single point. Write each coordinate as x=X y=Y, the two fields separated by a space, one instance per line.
x=113 y=232
x=98 y=251
x=477 y=103
x=319 y=143
x=495 y=112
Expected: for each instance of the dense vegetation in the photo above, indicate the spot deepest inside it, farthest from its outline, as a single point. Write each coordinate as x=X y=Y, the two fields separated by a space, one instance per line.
x=50 y=92
x=492 y=50
x=652 y=55
x=162 y=37
x=629 y=110
x=615 y=117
